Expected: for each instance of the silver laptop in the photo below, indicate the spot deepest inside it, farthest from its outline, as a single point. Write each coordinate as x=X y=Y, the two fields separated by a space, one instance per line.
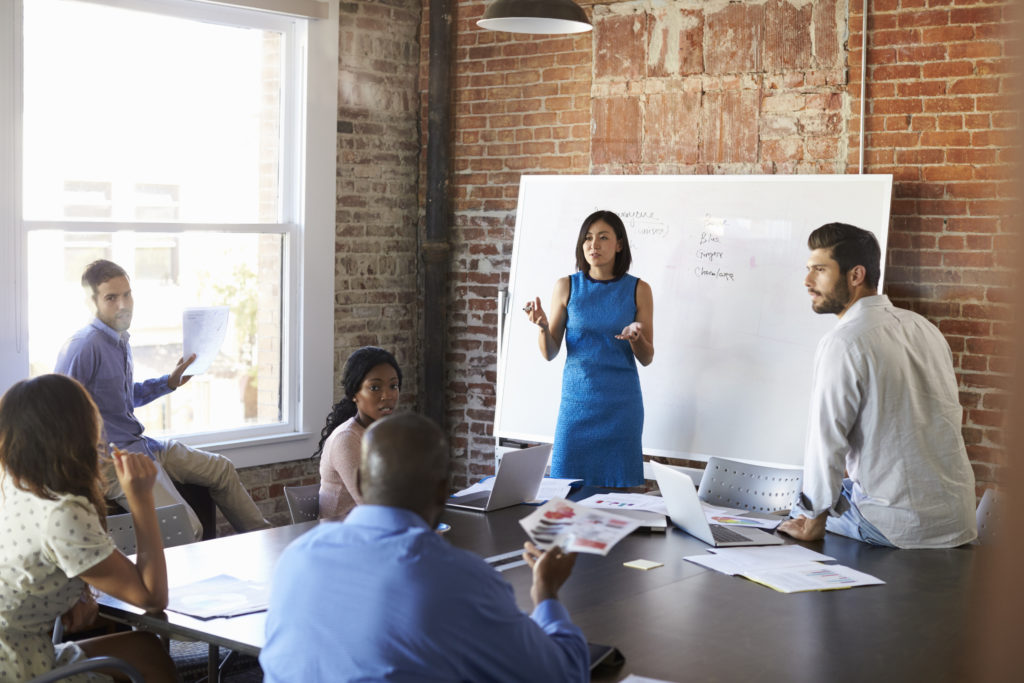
x=687 y=513
x=516 y=481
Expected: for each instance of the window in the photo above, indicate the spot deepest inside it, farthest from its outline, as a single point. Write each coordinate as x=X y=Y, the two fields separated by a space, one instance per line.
x=175 y=139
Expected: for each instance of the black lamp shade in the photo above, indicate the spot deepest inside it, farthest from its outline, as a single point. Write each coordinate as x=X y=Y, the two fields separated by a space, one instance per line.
x=535 y=16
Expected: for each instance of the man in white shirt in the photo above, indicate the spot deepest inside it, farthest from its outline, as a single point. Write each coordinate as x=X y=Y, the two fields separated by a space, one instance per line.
x=884 y=407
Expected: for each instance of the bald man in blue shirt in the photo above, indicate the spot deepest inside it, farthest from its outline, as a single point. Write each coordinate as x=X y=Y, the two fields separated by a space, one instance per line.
x=382 y=597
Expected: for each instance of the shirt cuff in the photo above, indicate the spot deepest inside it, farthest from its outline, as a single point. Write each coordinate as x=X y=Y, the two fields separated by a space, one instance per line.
x=804 y=506
x=550 y=611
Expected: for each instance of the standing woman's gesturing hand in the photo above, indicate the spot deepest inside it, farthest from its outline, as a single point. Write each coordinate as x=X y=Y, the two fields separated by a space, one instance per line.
x=640 y=332
x=631 y=332
x=535 y=312
x=550 y=331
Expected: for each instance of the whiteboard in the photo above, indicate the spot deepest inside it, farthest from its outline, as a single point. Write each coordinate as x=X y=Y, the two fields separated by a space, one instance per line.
x=734 y=333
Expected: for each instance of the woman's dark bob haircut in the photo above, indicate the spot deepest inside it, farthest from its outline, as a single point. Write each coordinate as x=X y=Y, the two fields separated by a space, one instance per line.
x=623 y=259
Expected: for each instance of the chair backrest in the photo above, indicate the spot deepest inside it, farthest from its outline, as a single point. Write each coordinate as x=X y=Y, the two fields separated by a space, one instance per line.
x=758 y=488
x=175 y=528
x=91 y=664
x=988 y=516
x=303 y=502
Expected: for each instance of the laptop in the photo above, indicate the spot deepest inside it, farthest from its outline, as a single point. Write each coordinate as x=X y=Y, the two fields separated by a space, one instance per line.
x=516 y=481
x=687 y=513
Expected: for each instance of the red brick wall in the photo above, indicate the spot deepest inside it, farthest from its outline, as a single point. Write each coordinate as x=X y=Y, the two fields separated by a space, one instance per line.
x=684 y=87
x=375 y=292
x=375 y=295
x=940 y=118
x=745 y=87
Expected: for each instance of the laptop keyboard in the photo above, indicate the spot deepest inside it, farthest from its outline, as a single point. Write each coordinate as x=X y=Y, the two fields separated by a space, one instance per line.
x=723 y=534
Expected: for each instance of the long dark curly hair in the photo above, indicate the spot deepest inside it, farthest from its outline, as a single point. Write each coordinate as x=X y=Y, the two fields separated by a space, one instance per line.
x=358 y=364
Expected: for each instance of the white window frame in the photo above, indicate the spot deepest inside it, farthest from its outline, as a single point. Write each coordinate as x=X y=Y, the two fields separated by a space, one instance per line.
x=307 y=210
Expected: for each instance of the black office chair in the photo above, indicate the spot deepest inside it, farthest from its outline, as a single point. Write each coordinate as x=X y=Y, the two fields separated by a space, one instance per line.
x=91 y=664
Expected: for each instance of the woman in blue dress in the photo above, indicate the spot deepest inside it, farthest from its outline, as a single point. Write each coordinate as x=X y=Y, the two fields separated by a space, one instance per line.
x=607 y=319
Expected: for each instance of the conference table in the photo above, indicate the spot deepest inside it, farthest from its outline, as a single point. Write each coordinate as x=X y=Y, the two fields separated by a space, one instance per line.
x=677 y=622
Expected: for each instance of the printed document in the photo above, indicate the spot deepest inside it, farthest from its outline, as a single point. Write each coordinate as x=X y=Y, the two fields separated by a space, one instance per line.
x=220 y=596
x=575 y=528
x=786 y=568
x=203 y=331
x=626 y=501
x=550 y=487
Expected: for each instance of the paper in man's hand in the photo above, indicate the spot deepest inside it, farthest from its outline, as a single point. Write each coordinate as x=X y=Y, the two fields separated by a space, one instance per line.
x=203 y=331
x=575 y=528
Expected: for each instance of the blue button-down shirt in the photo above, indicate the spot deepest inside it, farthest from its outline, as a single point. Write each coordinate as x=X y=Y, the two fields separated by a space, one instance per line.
x=381 y=597
x=101 y=359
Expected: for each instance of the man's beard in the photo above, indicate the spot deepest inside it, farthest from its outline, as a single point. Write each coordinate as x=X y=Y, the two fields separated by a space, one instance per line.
x=835 y=302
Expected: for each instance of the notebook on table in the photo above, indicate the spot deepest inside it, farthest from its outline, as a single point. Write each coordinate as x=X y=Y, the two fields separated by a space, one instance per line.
x=687 y=513
x=516 y=481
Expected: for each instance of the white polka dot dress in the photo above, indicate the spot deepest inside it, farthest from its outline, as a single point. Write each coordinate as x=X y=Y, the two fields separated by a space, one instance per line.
x=44 y=545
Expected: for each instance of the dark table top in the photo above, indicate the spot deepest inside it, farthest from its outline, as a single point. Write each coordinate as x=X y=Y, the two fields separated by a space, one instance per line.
x=679 y=621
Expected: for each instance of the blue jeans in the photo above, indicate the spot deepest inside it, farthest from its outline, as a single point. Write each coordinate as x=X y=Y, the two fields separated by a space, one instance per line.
x=852 y=523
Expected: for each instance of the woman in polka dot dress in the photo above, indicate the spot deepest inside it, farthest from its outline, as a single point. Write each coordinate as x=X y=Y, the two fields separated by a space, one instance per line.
x=53 y=542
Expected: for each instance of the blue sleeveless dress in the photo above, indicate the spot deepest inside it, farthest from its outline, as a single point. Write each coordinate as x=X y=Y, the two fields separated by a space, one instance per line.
x=601 y=416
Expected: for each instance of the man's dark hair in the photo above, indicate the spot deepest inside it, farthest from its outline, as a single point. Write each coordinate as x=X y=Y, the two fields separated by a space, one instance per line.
x=851 y=246
x=98 y=272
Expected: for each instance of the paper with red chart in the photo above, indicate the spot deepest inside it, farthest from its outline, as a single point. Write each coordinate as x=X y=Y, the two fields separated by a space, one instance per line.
x=575 y=528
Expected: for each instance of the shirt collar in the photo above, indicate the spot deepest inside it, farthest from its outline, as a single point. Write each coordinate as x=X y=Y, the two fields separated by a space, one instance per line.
x=110 y=331
x=862 y=304
x=386 y=517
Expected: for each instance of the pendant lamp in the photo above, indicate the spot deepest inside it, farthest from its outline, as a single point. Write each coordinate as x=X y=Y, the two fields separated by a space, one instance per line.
x=535 y=16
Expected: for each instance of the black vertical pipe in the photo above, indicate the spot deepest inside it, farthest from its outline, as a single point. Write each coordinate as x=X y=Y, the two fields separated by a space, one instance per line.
x=434 y=247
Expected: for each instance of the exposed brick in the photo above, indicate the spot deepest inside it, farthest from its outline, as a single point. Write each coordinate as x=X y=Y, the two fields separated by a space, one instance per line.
x=671 y=128
x=774 y=100
x=617 y=129
x=826 y=31
x=925 y=18
x=729 y=126
x=738 y=28
x=676 y=46
x=621 y=42
x=787 y=40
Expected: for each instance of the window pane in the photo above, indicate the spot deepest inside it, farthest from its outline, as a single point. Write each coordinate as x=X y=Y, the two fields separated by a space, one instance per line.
x=132 y=116
x=171 y=272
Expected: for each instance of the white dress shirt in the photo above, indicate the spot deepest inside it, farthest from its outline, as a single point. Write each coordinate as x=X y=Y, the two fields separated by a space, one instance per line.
x=885 y=406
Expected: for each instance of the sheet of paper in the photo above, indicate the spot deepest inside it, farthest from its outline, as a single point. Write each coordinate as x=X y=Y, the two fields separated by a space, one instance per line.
x=811 y=576
x=575 y=528
x=710 y=509
x=738 y=560
x=716 y=563
x=203 y=331
x=626 y=501
x=220 y=596
x=485 y=484
x=633 y=678
x=549 y=487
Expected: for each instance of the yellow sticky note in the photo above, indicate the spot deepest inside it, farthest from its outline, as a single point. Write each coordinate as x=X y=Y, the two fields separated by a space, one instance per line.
x=642 y=564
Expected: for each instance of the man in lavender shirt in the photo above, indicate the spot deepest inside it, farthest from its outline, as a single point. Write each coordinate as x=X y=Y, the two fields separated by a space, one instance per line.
x=100 y=357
